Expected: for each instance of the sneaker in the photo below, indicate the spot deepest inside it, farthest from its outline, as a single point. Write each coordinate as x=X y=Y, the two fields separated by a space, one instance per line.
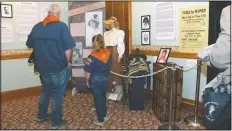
x=93 y=109
x=96 y=122
x=106 y=118
x=46 y=118
x=63 y=125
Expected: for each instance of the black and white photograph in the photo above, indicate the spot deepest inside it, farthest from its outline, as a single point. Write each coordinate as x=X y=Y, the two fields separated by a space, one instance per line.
x=94 y=25
x=6 y=11
x=145 y=22
x=77 y=54
x=145 y=37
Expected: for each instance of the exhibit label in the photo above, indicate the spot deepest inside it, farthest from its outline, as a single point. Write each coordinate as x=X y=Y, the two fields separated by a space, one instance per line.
x=194 y=28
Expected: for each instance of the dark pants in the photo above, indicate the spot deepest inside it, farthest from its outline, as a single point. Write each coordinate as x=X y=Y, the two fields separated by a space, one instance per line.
x=54 y=85
x=99 y=87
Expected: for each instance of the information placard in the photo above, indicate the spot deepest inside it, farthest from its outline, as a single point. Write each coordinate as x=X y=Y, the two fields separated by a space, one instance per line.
x=193 y=28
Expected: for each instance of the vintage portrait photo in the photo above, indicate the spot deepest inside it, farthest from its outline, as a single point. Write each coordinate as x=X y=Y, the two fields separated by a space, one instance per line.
x=163 y=55
x=94 y=25
x=77 y=54
x=6 y=11
x=145 y=22
x=145 y=37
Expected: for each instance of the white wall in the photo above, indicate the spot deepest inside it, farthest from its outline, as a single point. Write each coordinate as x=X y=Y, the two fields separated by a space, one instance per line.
x=16 y=74
x=148 y=8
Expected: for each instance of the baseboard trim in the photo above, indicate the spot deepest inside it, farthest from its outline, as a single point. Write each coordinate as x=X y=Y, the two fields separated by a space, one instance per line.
x=189 y=105
x=24 y=93
x=20 y=93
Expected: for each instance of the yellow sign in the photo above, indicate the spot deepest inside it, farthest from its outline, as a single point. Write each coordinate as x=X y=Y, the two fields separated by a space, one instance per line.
x=194 y=28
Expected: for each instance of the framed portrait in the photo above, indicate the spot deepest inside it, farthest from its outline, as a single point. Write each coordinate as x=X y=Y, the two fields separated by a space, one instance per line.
x=145 y=37
x=163 y=55
x=94 y=26
x=6 y=11
x=77 y=56
x=145 y=22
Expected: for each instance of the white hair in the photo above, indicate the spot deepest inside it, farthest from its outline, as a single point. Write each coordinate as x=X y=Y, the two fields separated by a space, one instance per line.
x=54 y=9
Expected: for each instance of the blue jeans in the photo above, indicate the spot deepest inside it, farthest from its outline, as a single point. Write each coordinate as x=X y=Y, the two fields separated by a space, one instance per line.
x=54 y=85
x=99 y=87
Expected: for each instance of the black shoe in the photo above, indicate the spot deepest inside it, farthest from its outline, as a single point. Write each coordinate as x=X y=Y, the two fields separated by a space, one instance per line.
x=46 y=118
x=63 y=125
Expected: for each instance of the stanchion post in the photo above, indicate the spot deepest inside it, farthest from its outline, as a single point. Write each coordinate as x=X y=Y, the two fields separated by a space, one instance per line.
x=171 y=84
x=195 y=120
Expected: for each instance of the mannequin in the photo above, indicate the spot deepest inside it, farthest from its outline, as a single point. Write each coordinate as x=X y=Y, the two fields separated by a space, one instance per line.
x=114 y=41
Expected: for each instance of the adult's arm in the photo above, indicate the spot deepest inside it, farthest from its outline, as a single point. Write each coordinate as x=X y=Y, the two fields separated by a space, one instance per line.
x=30 y=40
x=68 y=54
x=68 y=42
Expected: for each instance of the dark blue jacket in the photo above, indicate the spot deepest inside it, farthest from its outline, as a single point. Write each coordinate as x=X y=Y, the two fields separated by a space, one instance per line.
x=50 y=43
x=98 y=64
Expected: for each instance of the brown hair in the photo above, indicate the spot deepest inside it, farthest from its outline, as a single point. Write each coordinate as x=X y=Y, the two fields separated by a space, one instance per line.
x=98 y=42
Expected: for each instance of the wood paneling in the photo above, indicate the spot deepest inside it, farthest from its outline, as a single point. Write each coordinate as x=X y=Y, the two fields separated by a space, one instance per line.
x=15 y=54
x=189 y=105
x=20 y=93
x=120 y=10
x=130 y=26
x=25 y=93
x=173 y=54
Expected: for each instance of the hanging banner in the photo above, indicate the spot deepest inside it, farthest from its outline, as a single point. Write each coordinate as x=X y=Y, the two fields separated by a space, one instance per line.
x=194 y=28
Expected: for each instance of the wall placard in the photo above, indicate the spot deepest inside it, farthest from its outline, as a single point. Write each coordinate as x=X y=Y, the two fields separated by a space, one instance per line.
x=193 y=28
x=165 y=20
x=7 y=36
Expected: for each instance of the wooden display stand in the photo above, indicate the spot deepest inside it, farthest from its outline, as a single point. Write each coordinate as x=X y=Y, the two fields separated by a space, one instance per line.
x=163 y=81
x=78 y=79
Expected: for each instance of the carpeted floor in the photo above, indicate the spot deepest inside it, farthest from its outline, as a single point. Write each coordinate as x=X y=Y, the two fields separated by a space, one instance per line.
x=21 y=114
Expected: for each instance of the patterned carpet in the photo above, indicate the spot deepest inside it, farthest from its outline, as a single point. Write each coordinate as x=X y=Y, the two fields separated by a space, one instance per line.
x=21 y=114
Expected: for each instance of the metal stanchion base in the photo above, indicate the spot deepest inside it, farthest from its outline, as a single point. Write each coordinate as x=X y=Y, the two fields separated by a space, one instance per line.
x=194 y=121
x=166 y=127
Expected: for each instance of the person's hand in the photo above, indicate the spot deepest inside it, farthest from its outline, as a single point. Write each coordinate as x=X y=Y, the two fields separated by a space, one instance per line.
x=119 y=59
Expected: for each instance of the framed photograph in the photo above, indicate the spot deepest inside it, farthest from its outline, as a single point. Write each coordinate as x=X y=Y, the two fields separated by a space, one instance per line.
x=145 y=37
x=163 y=55
x=145 y=22
x=6 y=11
x=94 y=26
x=77 y=56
